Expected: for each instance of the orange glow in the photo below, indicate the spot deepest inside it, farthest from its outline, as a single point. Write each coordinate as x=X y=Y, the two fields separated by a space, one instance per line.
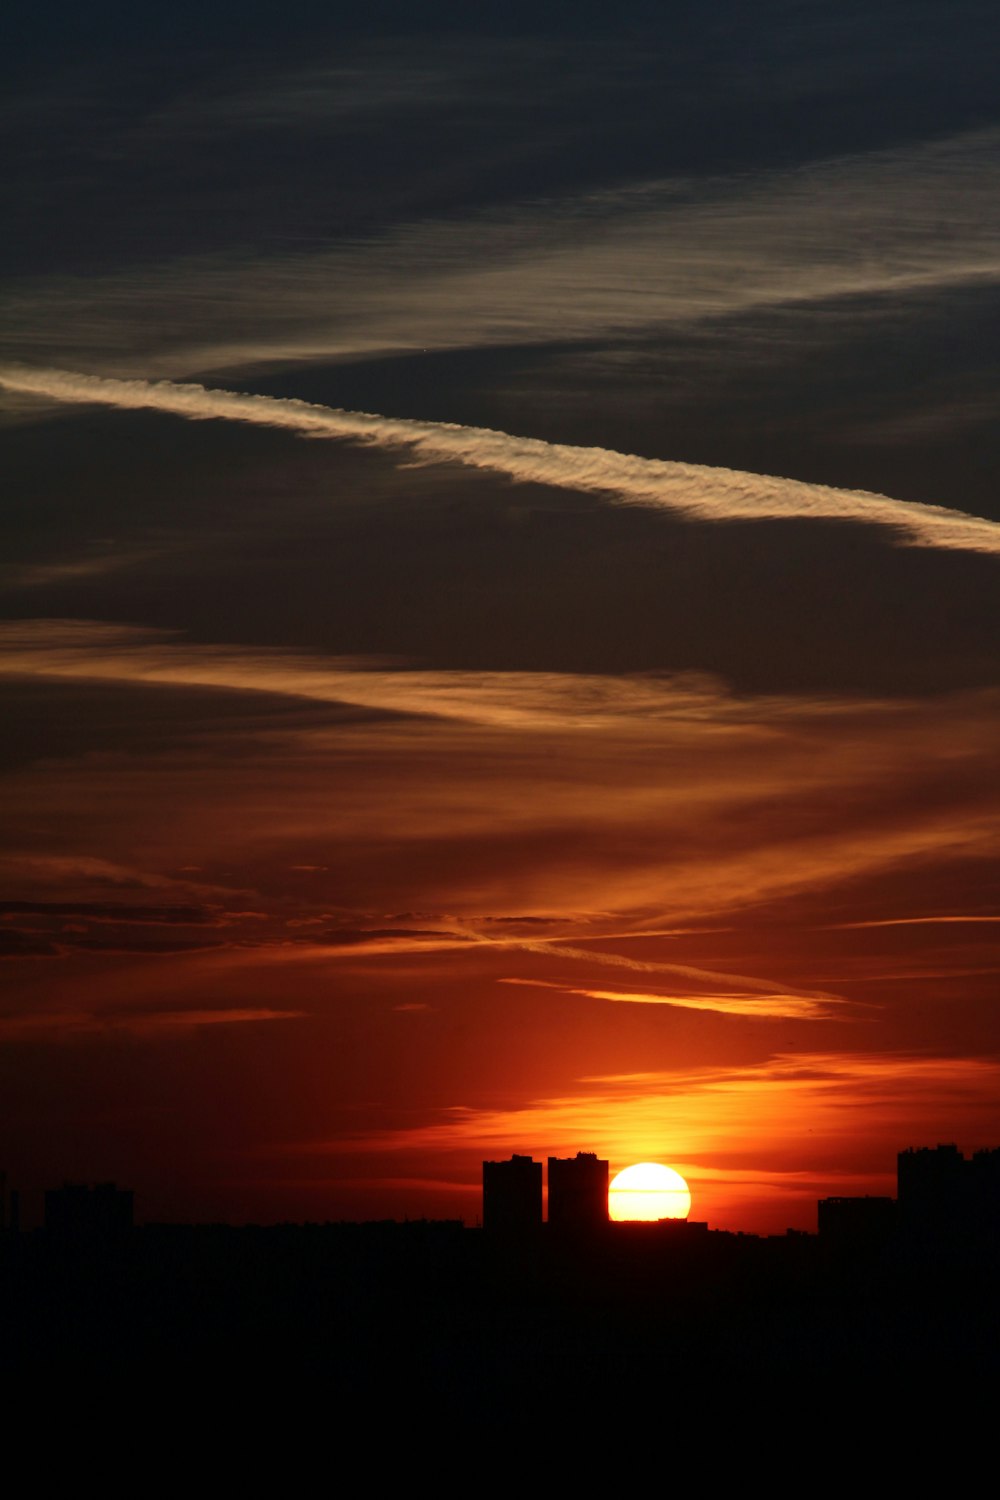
x=649 y=1192
x=497 y=928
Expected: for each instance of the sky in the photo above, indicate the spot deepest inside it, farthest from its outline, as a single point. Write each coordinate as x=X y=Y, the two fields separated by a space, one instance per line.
x=499 y=560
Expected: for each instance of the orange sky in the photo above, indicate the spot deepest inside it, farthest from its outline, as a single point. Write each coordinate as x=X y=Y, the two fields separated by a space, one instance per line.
x=317 y=964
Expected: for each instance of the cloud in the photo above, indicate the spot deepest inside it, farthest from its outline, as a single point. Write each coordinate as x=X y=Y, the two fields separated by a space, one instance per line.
x=929 y=921
x=754 y=1141
x=49 y=869
x=517 y=700
x=77 y=875
x=785 y=1007
x=351 y=936
x=701 y=1110
x=763 y=998
x=19 y=576
x=654 y=966
x=492 y=792
x=694 y=491
x=106 y=911
x=615 y=263
x=80 y=942
x=67 y=1026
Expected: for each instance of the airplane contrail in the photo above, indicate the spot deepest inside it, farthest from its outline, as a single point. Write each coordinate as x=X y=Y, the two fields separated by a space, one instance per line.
x=693 y=490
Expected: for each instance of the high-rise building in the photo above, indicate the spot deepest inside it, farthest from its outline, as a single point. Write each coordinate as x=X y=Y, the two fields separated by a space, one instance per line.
x=944 y=1196
x=933 y=1189
x=934 y=1176
x=856 y=1223
x=512 y=1195
x=984 y=1181
x=98 y=1216
x=578 y=1191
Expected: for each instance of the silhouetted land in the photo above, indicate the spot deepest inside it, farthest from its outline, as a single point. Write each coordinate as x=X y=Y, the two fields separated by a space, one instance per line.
x=433 y=1314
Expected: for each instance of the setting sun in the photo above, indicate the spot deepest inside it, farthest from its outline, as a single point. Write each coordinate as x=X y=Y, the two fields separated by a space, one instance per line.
x=648 y=1191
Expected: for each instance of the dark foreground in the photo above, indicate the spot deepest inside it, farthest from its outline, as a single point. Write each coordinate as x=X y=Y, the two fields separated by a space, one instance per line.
x=434 y=1318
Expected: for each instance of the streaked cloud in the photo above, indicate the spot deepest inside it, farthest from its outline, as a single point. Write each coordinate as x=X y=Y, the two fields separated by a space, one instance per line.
x=92 y=651
x=694 y=491
x=758 y=1144
x=615 y=262
x=42 y=575
x=691 y=1112
x=78 y=871
x=68 y=1026
x=755 y=1006
x=505 y=774
x=106 y=911
x=703 y=494
x=928 y=921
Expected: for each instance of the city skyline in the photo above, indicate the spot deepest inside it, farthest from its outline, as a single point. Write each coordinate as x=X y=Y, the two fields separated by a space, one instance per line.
x=942 y=1197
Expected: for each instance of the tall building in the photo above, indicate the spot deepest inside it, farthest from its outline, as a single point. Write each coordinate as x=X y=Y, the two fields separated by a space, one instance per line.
x=98 y=1217
x=512 y=1195
x=578 y=1191
x=984 y=1183
x=10 y=1207
x=931 y=1180
x=856 y=1223
x=943 y=1196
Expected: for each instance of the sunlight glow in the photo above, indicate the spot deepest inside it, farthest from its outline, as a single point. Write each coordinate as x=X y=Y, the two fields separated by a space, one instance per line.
x=648 y=1191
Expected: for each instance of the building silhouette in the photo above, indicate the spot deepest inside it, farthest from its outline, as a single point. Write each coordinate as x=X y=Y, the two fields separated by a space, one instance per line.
x=861 y=1224
x=984 y=1183
x=578 y=1192
x=512 y=1196
x=98 y=1217
x=931 y=1183
x=10 y=1207
x=946 y=1205
x=944 y=1195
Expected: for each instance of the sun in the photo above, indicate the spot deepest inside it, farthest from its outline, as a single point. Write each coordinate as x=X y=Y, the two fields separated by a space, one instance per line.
x=648 y=1191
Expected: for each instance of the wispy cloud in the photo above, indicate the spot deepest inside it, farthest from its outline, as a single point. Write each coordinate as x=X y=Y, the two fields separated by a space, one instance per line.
x=67 y=1026
x=657 y=966
x=106 y=911
x=694 y=491
x=41 y=575
x=758 y=1144
x=913 y=922
x=755 y=998
x=694 y=1112
x=611 y=263
x=517 y=700
x=492 y=790
x=42 y=870
x=785 y=1007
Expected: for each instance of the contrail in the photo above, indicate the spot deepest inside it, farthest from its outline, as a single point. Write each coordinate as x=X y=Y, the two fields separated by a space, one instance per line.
x=693 y=490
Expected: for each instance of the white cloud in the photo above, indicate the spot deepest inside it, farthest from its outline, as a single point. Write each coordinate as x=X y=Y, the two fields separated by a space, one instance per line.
x=691 y=490
x=612 y=264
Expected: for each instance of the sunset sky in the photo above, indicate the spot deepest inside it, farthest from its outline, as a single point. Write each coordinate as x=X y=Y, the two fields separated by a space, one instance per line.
x=499 y=577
